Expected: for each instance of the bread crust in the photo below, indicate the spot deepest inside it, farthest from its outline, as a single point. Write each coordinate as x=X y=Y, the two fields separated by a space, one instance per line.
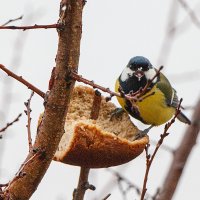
x=97 y=143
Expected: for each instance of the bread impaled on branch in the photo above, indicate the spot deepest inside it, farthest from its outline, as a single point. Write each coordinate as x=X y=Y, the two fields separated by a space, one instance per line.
x=97 y=143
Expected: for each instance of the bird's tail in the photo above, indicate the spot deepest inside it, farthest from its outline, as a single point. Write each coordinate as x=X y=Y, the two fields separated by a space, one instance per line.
x=183 y=118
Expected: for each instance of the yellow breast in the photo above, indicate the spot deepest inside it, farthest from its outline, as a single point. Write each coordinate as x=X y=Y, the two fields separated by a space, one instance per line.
x=153 y=109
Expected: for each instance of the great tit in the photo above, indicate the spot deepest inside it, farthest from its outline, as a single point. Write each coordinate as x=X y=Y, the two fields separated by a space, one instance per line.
x=158 y=104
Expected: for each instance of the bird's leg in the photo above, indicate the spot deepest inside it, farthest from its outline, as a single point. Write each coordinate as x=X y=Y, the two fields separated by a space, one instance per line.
x=116 y=113
x=143 y=133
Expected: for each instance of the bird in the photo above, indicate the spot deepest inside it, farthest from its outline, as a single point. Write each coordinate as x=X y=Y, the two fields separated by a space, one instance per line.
x=158 y=104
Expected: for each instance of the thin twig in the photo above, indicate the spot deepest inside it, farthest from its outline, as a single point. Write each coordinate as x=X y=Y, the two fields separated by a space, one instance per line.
x=181 y=156
x=12 y=20
x=145 y=89
x=10 y=124
x=22 y=80
x=79 y=78
x=28 y=113
x=55 y=26
x=149 y=159
x=133 y=97
x=83 y=183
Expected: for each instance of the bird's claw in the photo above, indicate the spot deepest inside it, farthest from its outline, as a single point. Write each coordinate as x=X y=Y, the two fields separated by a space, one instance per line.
x=117 y=113
x=140 y=134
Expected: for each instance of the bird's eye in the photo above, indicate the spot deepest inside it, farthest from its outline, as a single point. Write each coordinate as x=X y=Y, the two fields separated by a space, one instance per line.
x=133 y=67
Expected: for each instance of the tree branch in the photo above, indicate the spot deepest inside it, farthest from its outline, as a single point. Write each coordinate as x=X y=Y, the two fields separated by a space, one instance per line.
x=51 y=128
x=55 y=26
x=23 y=81
x=181 y=155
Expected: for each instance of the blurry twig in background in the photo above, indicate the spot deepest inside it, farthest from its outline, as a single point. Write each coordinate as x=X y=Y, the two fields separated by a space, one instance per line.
x=169 y=37
x=172 y=28
x=28 y=113
x=130 y=185
x=190 y=12
x=184 y=25
x=12 y=20
x=181 y=155
x=164 y=147
x=149 y=158
x=9 y=124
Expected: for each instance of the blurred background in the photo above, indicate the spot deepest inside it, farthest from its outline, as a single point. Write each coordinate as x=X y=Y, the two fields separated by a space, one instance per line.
x=166 y=32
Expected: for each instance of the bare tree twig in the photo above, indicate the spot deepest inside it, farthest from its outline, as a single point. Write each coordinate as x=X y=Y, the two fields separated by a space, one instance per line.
x=12 y=20
x=79 y=78
x=23 y=81
x=181 y=155
x=83 y=183
x=28 y=113
x=10 y=124
x=149 y=159
x=190 y=12
x=55 y=26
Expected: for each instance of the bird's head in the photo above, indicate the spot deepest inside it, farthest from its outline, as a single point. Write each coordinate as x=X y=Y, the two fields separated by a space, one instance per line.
x=138 y=67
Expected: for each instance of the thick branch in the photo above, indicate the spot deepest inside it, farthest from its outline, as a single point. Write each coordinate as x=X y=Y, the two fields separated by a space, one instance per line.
x=181 y=155
x=51 y=128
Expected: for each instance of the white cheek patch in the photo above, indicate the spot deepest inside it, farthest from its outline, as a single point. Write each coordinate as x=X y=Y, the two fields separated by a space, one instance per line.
x=150 y=74
x=126 y=73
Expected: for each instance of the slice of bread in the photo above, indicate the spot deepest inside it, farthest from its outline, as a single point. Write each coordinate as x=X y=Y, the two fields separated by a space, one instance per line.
x=97 y=143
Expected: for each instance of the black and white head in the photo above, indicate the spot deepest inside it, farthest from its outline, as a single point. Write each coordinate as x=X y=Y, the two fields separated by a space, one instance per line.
x=140 y=68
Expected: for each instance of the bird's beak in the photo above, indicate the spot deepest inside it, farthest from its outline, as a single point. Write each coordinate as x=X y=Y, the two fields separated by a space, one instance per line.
x=139 y=74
